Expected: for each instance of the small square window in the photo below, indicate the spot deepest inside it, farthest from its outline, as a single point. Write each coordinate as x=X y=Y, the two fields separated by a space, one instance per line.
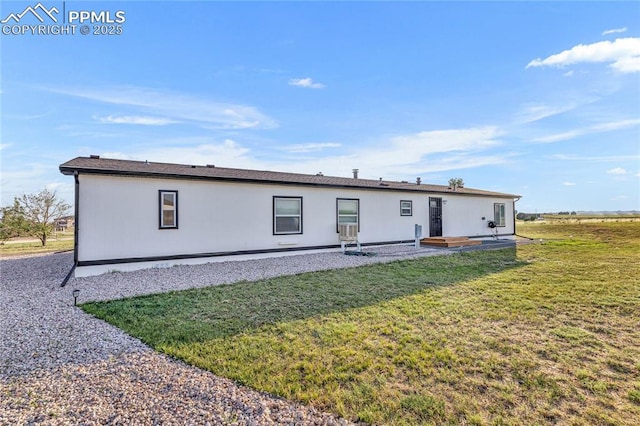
x=406 y=208
x=168 y=209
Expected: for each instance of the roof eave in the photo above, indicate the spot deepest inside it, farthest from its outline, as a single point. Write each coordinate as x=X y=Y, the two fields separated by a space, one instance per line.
x=70 y=170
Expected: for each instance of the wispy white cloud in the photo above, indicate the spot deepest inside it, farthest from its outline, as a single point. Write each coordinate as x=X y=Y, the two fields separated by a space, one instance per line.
x=596 y=159
x=135 y=119
x=568 y=74
x=306 y=82
x=28 y=116
x=4 y=146
x=59 y=186
x=617 y=171
x=619 y=198
x=309 y=147
x=569 y=183
x=227 y=153
x=400 y=157
x=19 y=178
x=615 y=31
x=410 y=155
x=532 y=112
x=623 y=54
x=175 y=106
x=598 y=128
x=438 y=141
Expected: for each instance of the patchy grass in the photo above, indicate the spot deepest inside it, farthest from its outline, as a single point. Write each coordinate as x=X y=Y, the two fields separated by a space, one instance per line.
x=547 y=334
x=592 y=218
x=8 y=249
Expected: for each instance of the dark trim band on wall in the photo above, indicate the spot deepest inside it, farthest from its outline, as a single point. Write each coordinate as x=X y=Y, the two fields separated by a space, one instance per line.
x=76 y=197
x=224 y=253
x=76 y=215
x=514 y=215
x=490 y=236
x=244 y=252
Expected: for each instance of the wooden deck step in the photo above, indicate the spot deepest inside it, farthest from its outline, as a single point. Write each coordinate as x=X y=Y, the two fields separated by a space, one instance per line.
x=449 y=242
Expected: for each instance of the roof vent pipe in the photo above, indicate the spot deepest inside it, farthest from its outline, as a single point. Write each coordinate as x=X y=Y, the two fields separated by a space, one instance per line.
x=355 y=173
x=95 y=157
x=211 y=166
x=418 y=181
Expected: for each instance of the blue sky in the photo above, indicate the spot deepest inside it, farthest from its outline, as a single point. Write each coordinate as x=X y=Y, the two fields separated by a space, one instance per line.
x=533 y=98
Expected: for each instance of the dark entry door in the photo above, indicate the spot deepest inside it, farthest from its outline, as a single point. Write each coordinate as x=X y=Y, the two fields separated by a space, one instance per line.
x=435 y=217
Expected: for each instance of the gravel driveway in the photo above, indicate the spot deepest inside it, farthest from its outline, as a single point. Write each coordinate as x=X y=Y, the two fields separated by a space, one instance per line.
x=59 y=365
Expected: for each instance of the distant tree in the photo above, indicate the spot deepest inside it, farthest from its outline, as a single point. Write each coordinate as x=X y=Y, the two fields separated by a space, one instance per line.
x=521 y=216
x=573 y=213
x=40 y=211
x=455 y=183
x=12 y=221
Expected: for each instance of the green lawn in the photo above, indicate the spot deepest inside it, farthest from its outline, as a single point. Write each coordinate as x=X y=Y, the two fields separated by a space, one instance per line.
x=34 y=247
x=544 y=333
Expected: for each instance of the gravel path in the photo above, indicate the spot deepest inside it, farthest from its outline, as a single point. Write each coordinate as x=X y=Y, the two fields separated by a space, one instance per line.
x=59 y=365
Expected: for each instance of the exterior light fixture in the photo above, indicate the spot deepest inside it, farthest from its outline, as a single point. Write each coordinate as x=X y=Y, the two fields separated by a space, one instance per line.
x=75 y=293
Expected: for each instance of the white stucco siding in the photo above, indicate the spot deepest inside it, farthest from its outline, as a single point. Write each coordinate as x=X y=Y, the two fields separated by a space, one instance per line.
x=380 y=218
x=119 y=215
x=463 y=215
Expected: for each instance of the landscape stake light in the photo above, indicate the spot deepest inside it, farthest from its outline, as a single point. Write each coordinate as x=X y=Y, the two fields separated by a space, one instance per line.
x=76 y=293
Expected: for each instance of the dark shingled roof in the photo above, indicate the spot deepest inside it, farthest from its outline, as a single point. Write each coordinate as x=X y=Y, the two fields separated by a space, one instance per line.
x=96 y=165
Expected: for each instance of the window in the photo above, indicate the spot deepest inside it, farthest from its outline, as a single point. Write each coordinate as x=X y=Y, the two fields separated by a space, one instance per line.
x=406 y=208
x=287 y=215
x=498 y=214
x=348 y=211
x=168 y=209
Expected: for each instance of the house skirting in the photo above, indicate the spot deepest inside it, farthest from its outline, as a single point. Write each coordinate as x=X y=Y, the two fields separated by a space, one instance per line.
x=89 y=268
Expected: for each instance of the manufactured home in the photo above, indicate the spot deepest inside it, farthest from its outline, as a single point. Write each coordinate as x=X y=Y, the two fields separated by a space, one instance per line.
x=139 y=214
